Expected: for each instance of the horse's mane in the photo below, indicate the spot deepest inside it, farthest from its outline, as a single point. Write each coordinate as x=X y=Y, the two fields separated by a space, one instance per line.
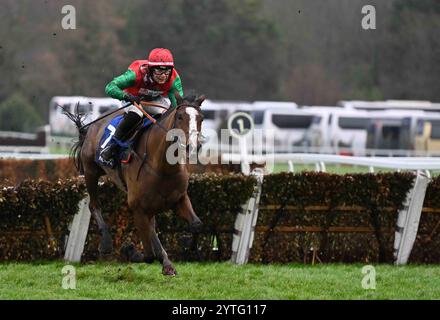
x=191 y=97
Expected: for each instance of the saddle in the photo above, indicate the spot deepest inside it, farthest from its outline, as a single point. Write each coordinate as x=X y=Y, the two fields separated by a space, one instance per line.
x=126 y=147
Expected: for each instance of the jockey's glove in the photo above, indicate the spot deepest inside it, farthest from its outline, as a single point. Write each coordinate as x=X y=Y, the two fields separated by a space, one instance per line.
x=132 y=98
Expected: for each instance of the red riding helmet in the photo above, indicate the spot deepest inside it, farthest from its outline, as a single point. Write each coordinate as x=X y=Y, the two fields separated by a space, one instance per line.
x=160 y=57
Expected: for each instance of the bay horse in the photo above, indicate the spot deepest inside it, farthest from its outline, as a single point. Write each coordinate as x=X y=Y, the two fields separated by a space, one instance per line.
x=152 y=184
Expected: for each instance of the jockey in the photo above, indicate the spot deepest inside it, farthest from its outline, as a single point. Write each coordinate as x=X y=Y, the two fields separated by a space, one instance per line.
x=146 y=80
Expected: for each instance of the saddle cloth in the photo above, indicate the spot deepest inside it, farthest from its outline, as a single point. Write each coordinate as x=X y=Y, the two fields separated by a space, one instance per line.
x=107 y=139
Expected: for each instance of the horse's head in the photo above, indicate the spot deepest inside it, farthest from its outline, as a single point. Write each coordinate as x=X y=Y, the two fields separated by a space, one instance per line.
x=188 y=118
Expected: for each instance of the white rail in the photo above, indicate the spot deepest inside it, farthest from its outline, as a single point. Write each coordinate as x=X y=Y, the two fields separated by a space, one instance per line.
x=23 y=149
x=255 y=149
x=26 y=156
x=404 y=163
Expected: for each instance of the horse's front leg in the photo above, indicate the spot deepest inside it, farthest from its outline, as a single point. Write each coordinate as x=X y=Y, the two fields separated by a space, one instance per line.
x=185 y=210
x=161 y=254
x=145 y=226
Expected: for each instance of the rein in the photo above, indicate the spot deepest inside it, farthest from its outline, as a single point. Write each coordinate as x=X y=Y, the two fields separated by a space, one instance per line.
x=144 y=103
x=166 y=113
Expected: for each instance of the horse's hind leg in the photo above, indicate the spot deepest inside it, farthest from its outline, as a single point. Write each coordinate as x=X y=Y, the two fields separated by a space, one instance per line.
x=91 y=175
x=129 y=252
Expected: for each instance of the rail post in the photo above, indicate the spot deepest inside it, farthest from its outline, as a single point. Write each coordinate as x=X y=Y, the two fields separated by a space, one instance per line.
x=78 y=232
x=244 y=228
x=409 y=218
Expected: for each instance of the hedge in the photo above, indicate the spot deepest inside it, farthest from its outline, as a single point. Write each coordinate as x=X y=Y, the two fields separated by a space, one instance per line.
x=326 y=201
x=26 y=208
x=303 y=217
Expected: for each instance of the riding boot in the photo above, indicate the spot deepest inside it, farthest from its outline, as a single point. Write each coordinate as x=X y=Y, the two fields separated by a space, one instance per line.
x=128 y=122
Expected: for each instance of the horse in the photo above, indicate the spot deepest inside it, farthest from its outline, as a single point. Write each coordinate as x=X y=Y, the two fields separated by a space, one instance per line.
x=151 y=182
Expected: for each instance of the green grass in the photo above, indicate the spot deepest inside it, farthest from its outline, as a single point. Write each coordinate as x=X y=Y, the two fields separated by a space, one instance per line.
x=217 y=281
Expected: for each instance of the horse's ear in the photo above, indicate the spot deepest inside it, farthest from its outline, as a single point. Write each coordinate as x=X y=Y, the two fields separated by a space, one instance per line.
x=200 y=99
x=178 y=97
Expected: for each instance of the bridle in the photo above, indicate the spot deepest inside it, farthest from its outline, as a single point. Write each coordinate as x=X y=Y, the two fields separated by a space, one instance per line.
x=166 y=114
x=171 y=110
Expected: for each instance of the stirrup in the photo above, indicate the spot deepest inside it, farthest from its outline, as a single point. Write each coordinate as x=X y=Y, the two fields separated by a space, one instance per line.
x=107 y=163
x=107 y=159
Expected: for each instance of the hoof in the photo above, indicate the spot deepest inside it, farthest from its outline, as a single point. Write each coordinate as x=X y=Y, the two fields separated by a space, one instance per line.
x=129 y=253
x=137 y=257
x=149 y=259
x=126 y=251
x=196 y=226
x=169 y=271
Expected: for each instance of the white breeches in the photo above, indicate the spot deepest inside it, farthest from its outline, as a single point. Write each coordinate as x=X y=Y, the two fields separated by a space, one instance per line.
x=151 y=110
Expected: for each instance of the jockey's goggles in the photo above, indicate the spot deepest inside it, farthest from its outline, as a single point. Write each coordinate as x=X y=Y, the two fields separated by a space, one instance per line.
x=161 y=70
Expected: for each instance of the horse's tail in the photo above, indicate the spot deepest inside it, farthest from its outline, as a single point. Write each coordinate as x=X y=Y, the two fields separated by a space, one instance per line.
x=75 y=151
